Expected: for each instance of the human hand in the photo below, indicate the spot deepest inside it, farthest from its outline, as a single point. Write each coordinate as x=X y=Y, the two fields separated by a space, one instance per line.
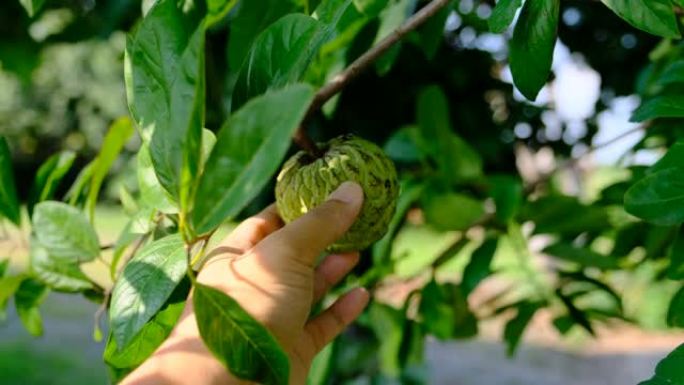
x=269 y=270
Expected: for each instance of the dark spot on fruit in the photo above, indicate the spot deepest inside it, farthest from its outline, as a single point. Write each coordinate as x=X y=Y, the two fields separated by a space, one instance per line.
x=387 y=184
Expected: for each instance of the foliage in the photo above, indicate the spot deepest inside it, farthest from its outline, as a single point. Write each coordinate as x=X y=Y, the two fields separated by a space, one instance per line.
x=440 y=101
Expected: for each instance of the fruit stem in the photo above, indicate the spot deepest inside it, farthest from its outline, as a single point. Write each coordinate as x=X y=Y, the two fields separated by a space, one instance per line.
x=304 y=141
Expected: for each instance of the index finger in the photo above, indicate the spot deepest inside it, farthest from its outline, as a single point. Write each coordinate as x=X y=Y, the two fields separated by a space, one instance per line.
x=307 y=236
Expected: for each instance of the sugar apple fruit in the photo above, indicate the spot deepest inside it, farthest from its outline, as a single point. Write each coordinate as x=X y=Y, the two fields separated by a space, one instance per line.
x=304 y=182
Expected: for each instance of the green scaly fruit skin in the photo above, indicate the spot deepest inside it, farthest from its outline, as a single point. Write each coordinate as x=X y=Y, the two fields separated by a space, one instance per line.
x=304 y=183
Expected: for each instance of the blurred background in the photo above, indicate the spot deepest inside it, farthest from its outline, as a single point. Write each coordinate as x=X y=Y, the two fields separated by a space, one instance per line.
x=61 y=86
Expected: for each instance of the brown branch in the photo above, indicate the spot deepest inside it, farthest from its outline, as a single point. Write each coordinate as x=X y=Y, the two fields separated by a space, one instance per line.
x=364 y=61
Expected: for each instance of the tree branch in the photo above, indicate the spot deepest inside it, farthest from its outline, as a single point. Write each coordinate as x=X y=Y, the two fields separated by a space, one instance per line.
x=350 y=73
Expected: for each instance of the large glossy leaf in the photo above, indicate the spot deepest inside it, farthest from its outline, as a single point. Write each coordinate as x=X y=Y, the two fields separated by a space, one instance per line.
x=581 y=256
x=152 y=194
x=241 y=343
x=516 y=326
x=113 y=143
x=653 y=16
x=659 y=197
x=665 y=106
x=531 y=48
x=250 y=20
x=48 y=177
x=29 y=296
x=503 y=15
x=146 y=283
x=669 y=370
x=32 y=7
x=9 y=204
x=151 y=335
x=456 y=159
x=673 y=158
x=322 y=366
x=165 y=85
x=249 y=148
x=59 y=276
x=65 y=232
x=280 y=56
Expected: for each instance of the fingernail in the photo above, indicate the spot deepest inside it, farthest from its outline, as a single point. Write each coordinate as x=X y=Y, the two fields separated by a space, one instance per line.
x=348 y=192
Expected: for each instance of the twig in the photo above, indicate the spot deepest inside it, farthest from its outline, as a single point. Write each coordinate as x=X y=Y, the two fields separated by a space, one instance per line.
x=350 y=73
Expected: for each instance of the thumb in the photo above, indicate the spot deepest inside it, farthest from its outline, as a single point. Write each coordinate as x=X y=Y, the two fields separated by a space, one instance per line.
x=310 y=234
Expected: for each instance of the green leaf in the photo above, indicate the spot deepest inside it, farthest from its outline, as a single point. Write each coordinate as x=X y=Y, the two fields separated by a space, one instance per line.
x=147 y=281
x=32 y=7
x=669 y=370
x=673 y=158
x=59 y=276
x=391 y=18
x=387 y=324
x=152 y=194
x=8 y=286
x=503 y=15
x=65 y=232
x=323 y=366
x=370 y=8
x=675 y=313
x=664 y=106
x=48 y=177
x=451 y=211
x=456 y=159
x=28 y=297
x=280 y=56
x=113 y=143
x=676 y=257
x=445 y=313
x=531 y=48
x=431 y=34
x=479 y=266
x=581 y=256
x=9 y=204
x=164 y=72
x=151 y=335
x=241 y=343
x=218 y=9
x=507 y=192
x=250 y=20
x=672 y=74
x=658 y=198
x=516 y=326
x=77 y=190
x=248 y=151
x=405 y=145
x=410 y=193
x=653 y=16
x=577 y=218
